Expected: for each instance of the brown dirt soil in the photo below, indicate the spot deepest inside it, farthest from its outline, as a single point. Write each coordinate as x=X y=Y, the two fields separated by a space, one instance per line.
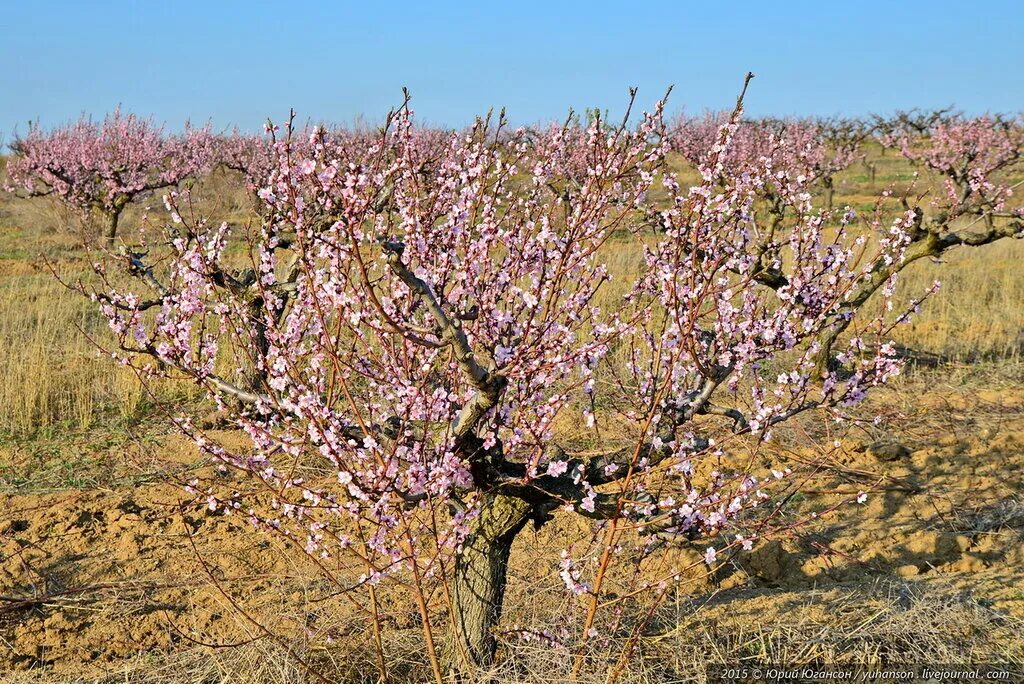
x=94 y=580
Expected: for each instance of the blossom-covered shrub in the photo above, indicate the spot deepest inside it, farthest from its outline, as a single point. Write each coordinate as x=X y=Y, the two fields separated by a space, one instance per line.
x=419 y=335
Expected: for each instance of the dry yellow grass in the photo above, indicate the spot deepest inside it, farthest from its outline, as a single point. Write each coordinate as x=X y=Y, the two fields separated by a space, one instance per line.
x=53 y=373
x=979 y=311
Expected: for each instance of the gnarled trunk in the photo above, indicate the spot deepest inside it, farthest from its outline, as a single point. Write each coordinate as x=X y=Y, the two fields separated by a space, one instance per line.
x=255 y=376
x=478 y=585
x=111 y=231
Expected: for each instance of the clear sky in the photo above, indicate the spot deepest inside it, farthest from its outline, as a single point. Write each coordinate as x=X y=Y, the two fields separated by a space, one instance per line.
x=239 y=62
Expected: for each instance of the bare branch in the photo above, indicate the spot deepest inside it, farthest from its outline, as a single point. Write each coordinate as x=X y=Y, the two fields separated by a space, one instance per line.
x=489 y=386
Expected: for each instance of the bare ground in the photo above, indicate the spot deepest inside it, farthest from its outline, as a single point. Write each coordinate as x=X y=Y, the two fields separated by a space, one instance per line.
x=115 y=582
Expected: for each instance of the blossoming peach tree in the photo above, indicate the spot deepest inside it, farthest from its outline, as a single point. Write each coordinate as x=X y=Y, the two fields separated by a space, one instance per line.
x=418 y=339
x=101 y=167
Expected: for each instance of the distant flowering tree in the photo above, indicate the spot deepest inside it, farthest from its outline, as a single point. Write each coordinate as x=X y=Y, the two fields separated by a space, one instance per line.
x=814 y=150
x=972 y=155
x=417 y=336
x=99 y=168
x=250 y=155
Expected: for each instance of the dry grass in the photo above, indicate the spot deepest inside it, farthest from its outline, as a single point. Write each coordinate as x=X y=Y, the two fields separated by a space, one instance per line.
x=978 y=313
x=259 y=663
x=889 y=623
x=55 y=378
x=53 y=374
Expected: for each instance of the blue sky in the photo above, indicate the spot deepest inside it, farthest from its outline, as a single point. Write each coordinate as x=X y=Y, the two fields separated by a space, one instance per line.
x=239 y=62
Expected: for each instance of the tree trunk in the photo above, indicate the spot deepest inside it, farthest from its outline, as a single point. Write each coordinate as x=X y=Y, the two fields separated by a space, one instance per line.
x=478 y=585
x=829 y=193
x=255 y=378
x=112 y=220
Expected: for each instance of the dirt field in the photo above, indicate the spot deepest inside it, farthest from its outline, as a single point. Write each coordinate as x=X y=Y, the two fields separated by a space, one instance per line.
x=116 y=580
